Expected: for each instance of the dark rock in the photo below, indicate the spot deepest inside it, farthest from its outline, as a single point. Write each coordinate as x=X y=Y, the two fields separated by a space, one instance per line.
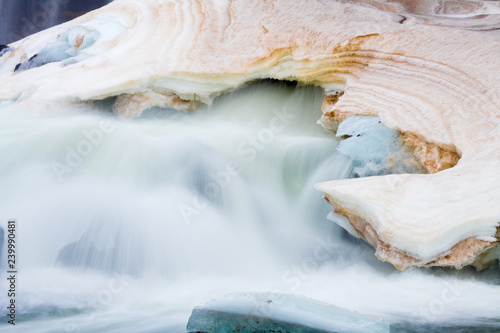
x=4 y=49
x=21 y=18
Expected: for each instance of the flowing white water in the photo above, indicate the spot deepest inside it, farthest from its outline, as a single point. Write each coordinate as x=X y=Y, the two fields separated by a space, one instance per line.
x=125 y=226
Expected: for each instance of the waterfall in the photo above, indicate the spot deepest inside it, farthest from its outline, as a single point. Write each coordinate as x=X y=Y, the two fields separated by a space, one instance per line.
x=21 y=18
x=125 y=226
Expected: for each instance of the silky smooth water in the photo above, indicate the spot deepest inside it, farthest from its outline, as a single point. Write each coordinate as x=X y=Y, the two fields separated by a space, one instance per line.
x=126 y=225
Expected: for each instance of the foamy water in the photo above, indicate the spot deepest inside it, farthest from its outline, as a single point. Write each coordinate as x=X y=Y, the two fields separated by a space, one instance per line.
x=126 y=225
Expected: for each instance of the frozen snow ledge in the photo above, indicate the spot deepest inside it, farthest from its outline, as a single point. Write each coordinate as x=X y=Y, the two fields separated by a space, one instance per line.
x=266 y=312
x=428 y=70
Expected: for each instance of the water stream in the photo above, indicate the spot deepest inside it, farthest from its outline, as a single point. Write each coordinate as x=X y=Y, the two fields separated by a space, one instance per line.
x=126 y=225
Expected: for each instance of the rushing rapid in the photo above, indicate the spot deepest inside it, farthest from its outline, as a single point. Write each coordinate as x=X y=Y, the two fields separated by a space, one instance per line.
x=126 y=225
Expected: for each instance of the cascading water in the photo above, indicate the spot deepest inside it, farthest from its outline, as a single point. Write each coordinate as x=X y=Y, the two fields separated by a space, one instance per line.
x=125 y=226
x=21 y=18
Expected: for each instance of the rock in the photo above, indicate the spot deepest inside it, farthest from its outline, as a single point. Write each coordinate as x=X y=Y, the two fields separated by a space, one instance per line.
x=268 y=312
x=4 y=49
